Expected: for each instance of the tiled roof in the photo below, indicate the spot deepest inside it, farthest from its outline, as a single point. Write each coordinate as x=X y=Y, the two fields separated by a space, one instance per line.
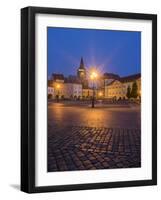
x=110 y=76
x=57 y=76
x=130 y=78
x=72 y=80
x=126 y=79
x=113 y=82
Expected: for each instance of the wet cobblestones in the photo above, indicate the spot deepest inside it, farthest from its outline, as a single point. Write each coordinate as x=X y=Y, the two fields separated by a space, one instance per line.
x=86 y=148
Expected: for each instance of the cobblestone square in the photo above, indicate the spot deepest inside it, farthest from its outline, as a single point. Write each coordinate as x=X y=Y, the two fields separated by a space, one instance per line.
x=81 y=138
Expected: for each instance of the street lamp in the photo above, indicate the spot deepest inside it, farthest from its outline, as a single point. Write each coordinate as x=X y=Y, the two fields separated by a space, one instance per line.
x=58 y=87
x=93 y=77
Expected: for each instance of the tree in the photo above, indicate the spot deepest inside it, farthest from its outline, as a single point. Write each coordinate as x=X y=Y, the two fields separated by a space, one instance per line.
x=128 y=94
x=134 y=91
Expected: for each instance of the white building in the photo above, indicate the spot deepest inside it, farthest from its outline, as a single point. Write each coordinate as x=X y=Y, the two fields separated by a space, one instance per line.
x=50 y=92
x=72 y=90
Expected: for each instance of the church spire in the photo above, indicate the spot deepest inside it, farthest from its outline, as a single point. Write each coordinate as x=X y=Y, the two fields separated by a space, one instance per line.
x=81 y=64
x=81 y=72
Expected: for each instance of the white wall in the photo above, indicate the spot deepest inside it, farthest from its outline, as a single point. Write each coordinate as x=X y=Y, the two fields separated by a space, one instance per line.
x=10 y=98
x=72 y=89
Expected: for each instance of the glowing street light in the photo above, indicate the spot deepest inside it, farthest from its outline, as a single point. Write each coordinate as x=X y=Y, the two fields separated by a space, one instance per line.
x=93 y=77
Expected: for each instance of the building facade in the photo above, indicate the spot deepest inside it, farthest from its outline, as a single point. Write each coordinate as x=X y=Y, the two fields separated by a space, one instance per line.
x=58 y=78
x=108 y=85
x=87 y=93
x=50 y=92
x=115 y=89
x=72 y=90
x=109 y=77
x=65 y=88
x=118 y=88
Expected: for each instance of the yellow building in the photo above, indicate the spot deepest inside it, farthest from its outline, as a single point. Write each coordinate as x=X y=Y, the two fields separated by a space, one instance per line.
x=108 y=86
x=115 y=89
x=118 y=88
x=59 y=89
x=100 y=93
x=87 y=93
x=65 y=88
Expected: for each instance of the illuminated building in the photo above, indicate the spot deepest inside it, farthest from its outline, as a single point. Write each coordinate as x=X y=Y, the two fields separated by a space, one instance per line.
x=108 y=85
x=50 y=90
x=118 y=88
x=72 y=90
x=87 y=93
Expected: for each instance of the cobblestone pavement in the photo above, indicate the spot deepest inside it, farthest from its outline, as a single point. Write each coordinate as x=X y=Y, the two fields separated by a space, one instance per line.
x=85 y=148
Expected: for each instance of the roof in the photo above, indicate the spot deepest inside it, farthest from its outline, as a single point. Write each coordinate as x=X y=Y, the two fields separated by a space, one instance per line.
x=81 y=64
x=113 y=82
x=73 y=79
x=57 y=76
x=130 y=78
x=50 y=83
x=126 y=79
x=111 y=76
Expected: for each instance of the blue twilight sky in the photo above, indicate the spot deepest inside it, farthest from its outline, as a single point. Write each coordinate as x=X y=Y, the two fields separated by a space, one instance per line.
x=111 y=51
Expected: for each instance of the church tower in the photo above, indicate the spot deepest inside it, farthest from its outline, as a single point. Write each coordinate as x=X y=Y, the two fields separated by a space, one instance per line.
x=81 y=72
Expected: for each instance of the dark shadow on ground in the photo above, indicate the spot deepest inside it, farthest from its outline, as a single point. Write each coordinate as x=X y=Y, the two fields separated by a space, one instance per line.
x=15 y=186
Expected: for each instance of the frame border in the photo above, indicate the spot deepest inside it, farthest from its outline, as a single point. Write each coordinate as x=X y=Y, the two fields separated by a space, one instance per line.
x=28 y=98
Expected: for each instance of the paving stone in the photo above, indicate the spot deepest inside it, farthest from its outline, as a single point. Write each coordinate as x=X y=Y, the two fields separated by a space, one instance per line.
x=88 y=148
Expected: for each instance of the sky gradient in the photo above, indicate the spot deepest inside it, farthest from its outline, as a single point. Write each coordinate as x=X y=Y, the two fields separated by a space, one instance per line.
x=111 y=51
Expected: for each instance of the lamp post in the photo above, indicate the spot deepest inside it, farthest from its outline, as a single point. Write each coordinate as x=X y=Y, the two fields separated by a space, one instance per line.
x=93 y=77
x=58 y=87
